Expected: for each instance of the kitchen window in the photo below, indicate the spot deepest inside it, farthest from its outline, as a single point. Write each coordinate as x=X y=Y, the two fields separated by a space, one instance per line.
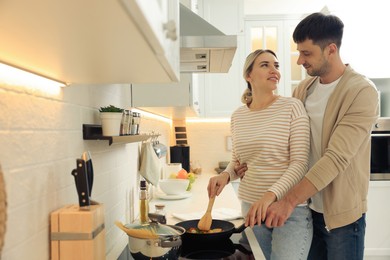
x=275 y=33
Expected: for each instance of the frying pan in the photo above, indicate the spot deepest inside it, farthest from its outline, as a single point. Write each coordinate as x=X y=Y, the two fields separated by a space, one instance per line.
x=228 y=229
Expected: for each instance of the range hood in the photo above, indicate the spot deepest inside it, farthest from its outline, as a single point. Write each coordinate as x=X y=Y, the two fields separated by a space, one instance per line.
x=204 y=48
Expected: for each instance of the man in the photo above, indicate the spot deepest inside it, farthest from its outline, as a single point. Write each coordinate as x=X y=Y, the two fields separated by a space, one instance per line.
x=342 y=106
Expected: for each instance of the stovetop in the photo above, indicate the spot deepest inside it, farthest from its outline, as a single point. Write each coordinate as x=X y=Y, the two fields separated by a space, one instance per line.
x=225 y=249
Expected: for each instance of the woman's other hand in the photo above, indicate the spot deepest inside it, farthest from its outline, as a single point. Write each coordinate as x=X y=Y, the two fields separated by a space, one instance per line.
x=217 y=183
x=240 y=169
x=258 y=210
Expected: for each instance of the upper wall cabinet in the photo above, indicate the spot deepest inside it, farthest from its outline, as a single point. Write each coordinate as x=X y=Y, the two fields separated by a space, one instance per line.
x=90 y=42
x=175 y=100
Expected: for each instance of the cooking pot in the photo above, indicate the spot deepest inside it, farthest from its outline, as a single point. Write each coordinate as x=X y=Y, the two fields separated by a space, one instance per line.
x=166 y=246
x=227 y=227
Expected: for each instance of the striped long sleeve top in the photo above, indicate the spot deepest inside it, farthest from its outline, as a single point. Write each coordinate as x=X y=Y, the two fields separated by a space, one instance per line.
x=274 y=143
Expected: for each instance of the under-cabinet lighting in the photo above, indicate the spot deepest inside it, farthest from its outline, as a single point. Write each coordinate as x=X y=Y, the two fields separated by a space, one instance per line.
x=18 y=77
x=208 y=120
x=153 y=116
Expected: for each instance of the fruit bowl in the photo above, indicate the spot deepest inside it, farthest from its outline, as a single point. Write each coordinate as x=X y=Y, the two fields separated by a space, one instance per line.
x=174 y=186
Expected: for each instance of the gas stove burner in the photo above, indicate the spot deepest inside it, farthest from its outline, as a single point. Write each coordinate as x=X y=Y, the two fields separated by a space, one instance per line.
x=222 y=250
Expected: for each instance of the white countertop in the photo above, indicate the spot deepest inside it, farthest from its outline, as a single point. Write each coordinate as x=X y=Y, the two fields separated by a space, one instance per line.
x=198 y=200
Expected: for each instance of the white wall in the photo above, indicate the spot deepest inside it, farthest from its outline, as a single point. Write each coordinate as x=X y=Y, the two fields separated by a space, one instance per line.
x=365 y=41
x=207 y=141
x=40 y=139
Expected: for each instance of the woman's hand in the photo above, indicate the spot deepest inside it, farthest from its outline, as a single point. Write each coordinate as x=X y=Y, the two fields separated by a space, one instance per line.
x=240 y=169
x=258 y=210
x=217 y=183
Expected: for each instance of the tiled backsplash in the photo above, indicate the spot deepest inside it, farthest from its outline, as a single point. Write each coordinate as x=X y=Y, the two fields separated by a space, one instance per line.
x=40 y=139
x=208 y=143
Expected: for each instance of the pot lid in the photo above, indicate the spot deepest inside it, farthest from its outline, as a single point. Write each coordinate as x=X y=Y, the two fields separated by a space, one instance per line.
x=157 y=228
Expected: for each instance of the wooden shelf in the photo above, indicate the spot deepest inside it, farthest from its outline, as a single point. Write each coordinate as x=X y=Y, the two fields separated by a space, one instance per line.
x=94 y=132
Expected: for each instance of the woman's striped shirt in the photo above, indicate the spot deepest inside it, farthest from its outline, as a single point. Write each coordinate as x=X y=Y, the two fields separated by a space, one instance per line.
x=274 y=143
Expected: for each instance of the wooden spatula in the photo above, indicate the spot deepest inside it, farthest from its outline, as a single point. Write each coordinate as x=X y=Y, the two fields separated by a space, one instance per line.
x=204 y=223
x=138 y=233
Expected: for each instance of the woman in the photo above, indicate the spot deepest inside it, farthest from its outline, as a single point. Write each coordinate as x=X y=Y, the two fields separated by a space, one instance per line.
x=270 y=134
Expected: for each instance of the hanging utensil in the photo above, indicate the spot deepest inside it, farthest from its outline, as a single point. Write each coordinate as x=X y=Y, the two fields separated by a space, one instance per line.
x=204 y=223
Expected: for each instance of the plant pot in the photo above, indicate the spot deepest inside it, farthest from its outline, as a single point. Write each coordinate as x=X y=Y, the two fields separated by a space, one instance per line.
x=111 y=123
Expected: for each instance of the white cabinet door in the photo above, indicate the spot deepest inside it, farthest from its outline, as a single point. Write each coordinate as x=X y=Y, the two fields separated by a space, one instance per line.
x=92 y=42
x=377 y=240
x=221 y=92
x=174 y=100
x=226 y=15
x=159 y=22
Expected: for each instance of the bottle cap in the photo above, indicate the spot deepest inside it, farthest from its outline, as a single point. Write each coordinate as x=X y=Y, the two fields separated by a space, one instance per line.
x=143 y=184
x=159 y=206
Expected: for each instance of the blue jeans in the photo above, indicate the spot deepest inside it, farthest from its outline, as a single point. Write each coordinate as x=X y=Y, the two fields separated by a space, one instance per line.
x=290 y=241
x=337 y=244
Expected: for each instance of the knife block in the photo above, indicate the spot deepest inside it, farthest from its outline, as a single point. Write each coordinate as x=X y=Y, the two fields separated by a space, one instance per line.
x=78 y=234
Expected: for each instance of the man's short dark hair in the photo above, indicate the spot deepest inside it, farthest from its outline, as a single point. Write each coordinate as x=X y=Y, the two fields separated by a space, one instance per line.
x=322 y=29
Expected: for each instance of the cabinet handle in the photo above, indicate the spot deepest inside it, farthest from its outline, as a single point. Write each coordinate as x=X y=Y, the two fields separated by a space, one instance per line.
x=170 y=27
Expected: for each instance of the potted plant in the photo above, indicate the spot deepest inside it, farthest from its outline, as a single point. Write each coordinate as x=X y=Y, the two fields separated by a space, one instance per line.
x=111 y=117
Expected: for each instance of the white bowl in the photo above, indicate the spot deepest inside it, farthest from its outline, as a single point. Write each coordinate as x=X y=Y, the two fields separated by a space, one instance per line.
x=174 y=186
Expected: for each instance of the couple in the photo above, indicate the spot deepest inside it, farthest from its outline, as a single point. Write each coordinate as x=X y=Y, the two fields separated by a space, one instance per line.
x=304 y=161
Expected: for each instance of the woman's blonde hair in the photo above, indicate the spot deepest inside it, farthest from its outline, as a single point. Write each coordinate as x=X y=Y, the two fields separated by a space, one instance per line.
x=246 y=97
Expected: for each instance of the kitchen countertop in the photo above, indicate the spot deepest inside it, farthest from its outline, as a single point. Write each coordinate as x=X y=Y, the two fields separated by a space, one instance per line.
x=198 y=200
x=195 y=203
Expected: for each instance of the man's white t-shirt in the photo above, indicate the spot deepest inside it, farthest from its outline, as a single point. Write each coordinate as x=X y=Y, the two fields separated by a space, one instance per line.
x=315 y=104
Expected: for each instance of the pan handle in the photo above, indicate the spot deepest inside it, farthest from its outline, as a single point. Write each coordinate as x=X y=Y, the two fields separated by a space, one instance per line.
x=171 y=243
x=241 y=228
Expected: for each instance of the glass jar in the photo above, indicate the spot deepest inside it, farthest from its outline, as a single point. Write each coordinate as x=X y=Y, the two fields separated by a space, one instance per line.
x=160 y=210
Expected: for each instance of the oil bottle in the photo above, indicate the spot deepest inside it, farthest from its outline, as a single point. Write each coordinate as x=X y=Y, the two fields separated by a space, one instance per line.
x=143 y=203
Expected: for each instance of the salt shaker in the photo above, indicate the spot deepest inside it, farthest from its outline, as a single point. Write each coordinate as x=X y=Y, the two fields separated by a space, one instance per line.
x=125 y=122
x=134 y=122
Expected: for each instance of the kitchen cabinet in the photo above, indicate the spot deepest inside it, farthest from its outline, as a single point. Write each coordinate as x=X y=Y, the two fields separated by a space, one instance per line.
x=221 y=92
x=93 y=42
x=174 y=100
x=377 y=240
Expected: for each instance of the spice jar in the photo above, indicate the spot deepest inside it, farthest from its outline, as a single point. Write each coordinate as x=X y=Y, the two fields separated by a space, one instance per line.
x=160 y=210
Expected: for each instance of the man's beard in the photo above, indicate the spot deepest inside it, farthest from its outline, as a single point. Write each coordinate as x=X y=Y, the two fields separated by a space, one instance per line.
x=322 y=70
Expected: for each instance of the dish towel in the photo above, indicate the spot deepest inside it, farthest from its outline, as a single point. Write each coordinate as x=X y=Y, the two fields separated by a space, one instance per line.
x=150 y=167
x=218 y=213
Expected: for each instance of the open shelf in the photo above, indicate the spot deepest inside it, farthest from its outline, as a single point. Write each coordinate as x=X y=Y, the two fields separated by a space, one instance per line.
x=94 y=132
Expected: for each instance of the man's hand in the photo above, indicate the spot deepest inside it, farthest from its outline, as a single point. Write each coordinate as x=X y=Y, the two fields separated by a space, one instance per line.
x=240 y=169
x=257 y=212
x=278 y=213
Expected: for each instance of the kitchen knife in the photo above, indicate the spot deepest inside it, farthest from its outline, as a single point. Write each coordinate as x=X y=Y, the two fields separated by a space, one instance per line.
x=88 y=162
x=81 y=180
